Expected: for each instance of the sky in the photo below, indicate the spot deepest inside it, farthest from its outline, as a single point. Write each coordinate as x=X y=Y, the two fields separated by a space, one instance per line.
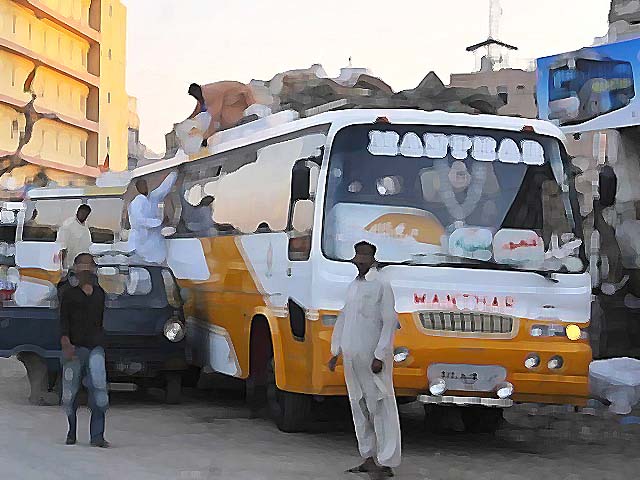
x=172 y=43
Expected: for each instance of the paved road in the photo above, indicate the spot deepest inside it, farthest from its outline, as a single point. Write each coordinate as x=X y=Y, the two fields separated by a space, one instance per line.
x=210 y=436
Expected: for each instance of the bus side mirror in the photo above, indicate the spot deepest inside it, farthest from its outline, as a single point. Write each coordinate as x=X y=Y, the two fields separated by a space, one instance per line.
x=607 y=186
x=303 y=216
x=300 y=182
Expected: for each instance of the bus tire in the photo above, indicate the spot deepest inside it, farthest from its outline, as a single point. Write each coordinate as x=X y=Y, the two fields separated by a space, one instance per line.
x=291 y=411
x=173 y=388
x=482 y=419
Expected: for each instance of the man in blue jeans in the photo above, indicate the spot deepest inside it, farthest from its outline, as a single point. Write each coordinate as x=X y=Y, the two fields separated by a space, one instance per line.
x=81 y=316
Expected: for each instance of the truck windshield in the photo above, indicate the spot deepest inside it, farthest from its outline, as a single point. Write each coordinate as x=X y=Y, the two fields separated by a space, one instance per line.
x=451 y=196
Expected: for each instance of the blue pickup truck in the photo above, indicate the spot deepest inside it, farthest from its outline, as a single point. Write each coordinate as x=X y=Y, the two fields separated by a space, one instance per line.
x=144 y=329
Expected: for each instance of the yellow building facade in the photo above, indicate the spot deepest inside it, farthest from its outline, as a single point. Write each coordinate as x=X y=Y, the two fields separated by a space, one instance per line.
x=69 y=57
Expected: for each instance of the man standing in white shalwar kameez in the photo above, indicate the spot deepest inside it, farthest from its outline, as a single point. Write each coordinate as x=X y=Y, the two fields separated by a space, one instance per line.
x=146 y=225
x=364 y=335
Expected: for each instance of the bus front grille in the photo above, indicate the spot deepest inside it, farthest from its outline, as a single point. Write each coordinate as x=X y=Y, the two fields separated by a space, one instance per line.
x=468 y=323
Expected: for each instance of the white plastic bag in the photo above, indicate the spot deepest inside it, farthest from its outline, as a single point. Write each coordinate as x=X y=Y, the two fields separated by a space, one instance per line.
x=618 y=381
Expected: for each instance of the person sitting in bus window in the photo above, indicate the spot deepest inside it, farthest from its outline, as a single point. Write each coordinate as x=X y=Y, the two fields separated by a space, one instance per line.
x=199 y=219
x=146 y=225
x=74 y=236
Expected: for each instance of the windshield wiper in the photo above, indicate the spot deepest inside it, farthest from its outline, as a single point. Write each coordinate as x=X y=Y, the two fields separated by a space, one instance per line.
x=477 y=264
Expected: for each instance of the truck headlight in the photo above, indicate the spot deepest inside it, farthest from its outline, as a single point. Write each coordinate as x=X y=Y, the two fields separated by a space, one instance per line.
x=174 y=330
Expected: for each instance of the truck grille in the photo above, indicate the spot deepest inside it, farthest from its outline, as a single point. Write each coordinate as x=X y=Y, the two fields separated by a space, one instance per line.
x=468 y=323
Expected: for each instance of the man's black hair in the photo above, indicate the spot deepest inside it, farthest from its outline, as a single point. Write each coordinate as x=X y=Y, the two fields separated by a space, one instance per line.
x=373 y=248
x=195 y=90
x=85 y=207
x=80 y=256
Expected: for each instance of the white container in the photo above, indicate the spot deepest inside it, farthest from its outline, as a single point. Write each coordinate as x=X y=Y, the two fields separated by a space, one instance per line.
x=618 y=381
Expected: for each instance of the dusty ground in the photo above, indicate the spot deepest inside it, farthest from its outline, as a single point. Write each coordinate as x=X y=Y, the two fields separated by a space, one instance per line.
x=211 y=437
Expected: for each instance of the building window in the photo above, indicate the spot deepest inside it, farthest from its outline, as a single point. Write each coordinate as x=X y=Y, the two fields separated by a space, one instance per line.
x=14 y=129
x=45 y=39
x=111 y=10
x=30 y=30
x=58 y=90
x=108 y=144
x=503 y=93
x=109 y=54
x=83 y=149
x=108 y=97
x=13 y=77
x=520 y=87
x=15 y=21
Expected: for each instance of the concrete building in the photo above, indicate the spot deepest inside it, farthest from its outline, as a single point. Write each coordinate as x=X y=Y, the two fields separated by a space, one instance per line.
x=63 y=105
x=516 y=88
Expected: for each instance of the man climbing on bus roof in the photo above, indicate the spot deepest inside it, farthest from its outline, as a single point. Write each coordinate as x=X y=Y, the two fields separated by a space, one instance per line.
x=363 y=335
x=74 y=236
x=144 y=217
x=223 y=102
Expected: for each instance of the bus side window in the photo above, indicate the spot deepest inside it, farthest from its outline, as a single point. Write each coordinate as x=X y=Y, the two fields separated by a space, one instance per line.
x=303 y=186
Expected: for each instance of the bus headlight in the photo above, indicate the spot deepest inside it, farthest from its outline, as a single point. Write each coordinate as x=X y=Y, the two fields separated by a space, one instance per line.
x=555 y=362
x=532 y=361
x=573 y=332
x=400 y=354
x=174 y=330
x=438 y=387
x=504 y=390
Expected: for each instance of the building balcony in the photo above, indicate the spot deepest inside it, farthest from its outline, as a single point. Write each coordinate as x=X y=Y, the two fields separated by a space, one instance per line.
x=41 y=10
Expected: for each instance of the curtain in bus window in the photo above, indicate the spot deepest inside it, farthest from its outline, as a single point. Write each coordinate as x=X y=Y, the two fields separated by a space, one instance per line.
x=259 y=192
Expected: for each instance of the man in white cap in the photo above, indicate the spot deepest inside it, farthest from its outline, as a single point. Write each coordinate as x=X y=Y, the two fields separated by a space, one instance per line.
x=364 y=335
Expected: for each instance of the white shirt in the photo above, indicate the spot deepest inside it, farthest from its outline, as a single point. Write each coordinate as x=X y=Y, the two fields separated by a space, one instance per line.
x=146 y=224
x=367 y=324
x=75 y=238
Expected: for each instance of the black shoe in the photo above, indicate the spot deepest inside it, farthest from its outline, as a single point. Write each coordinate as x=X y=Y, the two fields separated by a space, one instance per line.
x=387 y=472
x=101 y=443
x=71 y=439
x=367 y=466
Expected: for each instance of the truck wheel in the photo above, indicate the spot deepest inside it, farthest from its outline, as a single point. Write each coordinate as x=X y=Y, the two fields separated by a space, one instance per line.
x=173 y=388
x=290 y=411
x=482 y=419
x=38 y=376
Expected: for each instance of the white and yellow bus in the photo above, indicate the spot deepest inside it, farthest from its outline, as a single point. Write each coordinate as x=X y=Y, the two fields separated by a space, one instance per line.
x=475 y=219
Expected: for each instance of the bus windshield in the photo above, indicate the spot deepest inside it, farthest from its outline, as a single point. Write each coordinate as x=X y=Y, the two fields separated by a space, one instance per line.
x=451 y=196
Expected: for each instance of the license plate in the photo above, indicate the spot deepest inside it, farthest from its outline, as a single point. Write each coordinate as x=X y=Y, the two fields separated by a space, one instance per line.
x=129 y=367
x=467 y=378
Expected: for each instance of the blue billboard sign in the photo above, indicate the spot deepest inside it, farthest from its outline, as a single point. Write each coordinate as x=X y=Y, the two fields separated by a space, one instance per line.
x=595 y=88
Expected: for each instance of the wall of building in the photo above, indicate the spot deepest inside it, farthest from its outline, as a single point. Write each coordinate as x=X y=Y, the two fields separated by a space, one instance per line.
x=114 y=101
x=73 y=54
x=517 y=86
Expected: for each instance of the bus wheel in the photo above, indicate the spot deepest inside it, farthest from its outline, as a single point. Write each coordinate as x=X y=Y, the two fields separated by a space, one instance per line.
x=173 y=388
x=482 y=419
x=290 y=411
